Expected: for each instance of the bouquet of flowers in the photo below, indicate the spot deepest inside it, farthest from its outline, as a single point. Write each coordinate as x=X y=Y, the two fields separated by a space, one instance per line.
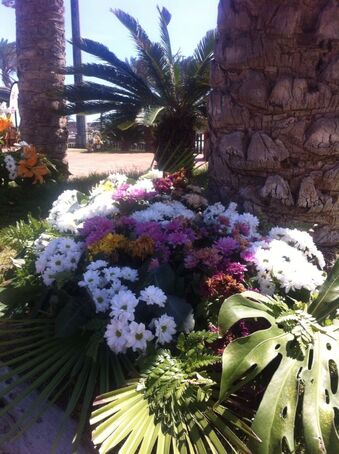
x=137 y=266
x=25 y=164
x=5 y=122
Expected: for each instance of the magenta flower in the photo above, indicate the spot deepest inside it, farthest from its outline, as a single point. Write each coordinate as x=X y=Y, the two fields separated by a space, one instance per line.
x=96 y=228
x=162 y=185
x=237 y=270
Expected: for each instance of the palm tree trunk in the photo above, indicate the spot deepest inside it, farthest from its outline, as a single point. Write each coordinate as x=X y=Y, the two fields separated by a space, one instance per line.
x=41 y=59
x=274 y=111
x=174 y=143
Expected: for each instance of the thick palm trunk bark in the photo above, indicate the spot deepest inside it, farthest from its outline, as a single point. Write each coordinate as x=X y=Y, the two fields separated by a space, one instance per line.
x=274 y=111
x=41 y=59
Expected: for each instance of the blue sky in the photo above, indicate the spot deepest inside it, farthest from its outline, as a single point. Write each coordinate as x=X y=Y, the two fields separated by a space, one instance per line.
x=190 y=20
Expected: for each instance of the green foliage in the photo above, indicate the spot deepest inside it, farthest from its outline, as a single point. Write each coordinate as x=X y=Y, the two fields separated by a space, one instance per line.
x=160 y=89
x=76 y=365
x=304 y=388
x=22 y=234
x=8 y=62
x=169 y=408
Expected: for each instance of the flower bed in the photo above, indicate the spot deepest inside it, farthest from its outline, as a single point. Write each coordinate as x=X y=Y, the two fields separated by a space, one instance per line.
x=130 y=279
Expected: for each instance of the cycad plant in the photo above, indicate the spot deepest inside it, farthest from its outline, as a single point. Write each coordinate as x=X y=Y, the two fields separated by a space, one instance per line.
x=8 y=62
x=303 y=391
x=161 y=89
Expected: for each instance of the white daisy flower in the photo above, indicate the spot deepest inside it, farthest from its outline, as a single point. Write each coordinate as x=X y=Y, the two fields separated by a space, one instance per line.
x=123 y=305
x=153 y=295
x=138 y=336
x=116 y=336
x=165 y=329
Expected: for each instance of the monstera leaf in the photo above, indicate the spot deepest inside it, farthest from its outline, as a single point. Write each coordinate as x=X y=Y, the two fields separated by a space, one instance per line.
x=306 y=377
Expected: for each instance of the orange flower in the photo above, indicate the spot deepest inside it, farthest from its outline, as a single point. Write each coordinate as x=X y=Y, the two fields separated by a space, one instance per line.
x=29 y=167
x=142 y=247
x=5 y=123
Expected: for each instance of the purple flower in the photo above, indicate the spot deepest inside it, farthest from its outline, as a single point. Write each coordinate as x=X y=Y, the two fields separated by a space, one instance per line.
x=96 y=228
x=178 y=238
x=242 y=228
x=226 y=245
x=151 y=229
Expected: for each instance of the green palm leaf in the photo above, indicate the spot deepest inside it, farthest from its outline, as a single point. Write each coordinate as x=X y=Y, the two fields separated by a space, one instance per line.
x=168 y=410
x=50 y=366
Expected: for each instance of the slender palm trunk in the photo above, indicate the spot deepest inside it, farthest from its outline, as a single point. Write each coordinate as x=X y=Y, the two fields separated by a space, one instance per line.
x=274 y=111
x=41 y=59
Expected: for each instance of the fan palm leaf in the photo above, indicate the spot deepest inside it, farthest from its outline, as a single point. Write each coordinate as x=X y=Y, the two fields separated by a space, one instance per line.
x=48 y=366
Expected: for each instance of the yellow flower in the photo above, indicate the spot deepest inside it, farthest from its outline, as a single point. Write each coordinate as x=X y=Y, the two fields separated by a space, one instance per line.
x=142 y=247
x=108 y=244
x=107 y=186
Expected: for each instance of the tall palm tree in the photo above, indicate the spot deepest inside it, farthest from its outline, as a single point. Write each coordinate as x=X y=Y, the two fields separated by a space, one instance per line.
x=161 y=89
x=41 y=60
x=7 y=62
x=274 y=111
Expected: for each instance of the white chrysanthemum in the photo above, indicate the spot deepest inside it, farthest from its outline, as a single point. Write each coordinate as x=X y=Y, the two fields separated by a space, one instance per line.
x=97 y=265
x=101 y=298
x=165 y=329
x=163 y=212
x=123 y=305
x=59 y=255
x=116 y=336
x=129 y=274
x=91 y=279
x=138 y=336
x=152 y=174
x=299 y=239
x=112 y=273
x=72 y=208
x=153 y=295
x=11 y=166
x=145 y=185
x=277 y=262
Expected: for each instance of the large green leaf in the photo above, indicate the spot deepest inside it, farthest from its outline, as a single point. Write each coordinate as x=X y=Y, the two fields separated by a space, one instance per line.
x=305 y=376
x=328 y=299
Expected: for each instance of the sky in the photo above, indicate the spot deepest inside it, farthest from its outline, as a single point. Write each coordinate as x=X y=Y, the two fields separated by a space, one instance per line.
x=190 y=21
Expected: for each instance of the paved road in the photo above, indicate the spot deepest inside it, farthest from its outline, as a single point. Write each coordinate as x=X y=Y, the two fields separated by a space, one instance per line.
x=82 y=164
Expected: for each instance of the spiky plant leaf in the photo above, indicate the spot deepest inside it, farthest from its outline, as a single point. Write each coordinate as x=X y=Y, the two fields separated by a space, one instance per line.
x=170 y=409
x=49 y=366
x=22 y=233
x=328 y=299
x=308 y=356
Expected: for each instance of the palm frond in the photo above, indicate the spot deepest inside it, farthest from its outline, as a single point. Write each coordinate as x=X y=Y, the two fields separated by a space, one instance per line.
x=168 y=410
x=152 y=53
x=165 y=18
x=48 y=366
